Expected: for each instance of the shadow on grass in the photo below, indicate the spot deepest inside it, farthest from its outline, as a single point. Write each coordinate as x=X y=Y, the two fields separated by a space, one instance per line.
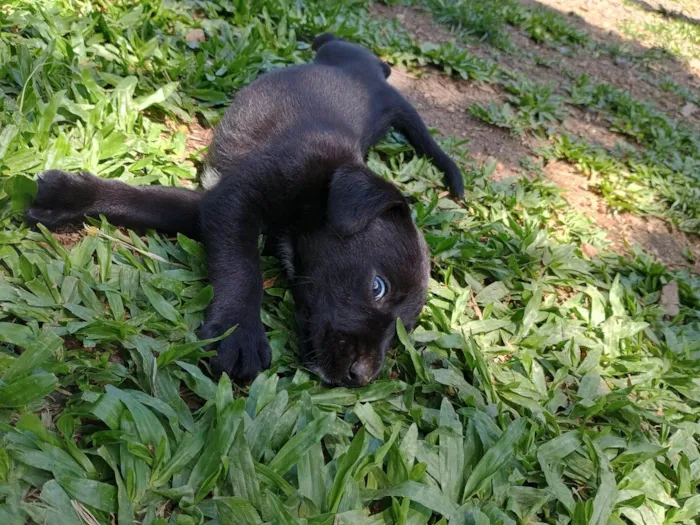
x=668 y=13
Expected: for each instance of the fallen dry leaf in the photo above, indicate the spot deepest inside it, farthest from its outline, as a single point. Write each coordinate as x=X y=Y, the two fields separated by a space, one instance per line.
x=669 y=299
x=475 y=307
x=195 y=35
x=589 y=250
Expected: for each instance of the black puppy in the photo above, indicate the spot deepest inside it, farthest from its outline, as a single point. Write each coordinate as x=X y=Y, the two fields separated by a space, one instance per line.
x=287 y=160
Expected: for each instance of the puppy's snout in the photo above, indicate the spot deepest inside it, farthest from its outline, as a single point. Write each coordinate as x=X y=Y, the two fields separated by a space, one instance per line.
x=361 y=372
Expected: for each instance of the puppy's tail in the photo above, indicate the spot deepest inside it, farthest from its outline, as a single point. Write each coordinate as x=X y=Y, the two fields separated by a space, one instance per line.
x=67 y=198
x=322 y=40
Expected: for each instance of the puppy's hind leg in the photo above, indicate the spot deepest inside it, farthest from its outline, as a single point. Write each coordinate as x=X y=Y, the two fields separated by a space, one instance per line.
x=409 y=123
x=65 y=197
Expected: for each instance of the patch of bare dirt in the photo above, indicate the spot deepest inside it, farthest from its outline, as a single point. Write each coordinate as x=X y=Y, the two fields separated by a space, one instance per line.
x=68 y=236
x=443 y=103
x=593 y=127
x=198 y=137
x=625 y=230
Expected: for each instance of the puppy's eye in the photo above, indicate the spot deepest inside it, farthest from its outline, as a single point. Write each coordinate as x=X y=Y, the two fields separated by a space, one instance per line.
x=378 y=288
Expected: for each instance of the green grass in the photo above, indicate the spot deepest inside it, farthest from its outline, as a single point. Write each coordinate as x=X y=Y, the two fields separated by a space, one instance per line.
x=541 y=385
x=488 y=20
x=529 y=107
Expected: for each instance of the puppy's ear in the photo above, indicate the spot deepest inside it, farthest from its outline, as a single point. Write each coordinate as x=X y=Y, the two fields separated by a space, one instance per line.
x=357 y=196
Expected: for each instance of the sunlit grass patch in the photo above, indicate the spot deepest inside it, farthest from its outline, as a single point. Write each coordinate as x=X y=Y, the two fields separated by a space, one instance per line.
x=678 y=37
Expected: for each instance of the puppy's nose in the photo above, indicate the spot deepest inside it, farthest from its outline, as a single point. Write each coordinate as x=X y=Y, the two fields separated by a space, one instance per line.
x=360 y=372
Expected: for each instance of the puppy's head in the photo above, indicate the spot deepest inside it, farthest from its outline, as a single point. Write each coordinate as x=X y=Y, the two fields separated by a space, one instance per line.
x=366 y=266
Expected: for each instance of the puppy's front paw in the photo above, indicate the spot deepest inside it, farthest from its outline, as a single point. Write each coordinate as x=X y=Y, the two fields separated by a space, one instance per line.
x=243 y=354
x=62 y=197
x=453 y=178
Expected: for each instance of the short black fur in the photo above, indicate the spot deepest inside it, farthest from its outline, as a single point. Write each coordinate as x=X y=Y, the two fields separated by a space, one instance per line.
x=287 y=160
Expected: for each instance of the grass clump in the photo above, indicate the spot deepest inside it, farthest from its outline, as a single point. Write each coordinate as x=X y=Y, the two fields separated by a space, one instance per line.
x=529 y=107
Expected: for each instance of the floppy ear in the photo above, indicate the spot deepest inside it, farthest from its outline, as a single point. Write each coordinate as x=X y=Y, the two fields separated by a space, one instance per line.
x=356 y=197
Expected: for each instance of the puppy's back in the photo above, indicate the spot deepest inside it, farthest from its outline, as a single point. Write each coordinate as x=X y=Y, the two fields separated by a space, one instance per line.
x=287 y=103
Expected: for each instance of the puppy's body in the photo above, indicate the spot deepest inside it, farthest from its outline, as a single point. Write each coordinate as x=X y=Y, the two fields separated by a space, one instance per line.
x=287 y=160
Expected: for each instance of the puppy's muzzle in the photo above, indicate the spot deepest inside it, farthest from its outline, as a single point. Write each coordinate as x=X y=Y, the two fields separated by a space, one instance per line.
x=343 y=359
x=361 y=372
